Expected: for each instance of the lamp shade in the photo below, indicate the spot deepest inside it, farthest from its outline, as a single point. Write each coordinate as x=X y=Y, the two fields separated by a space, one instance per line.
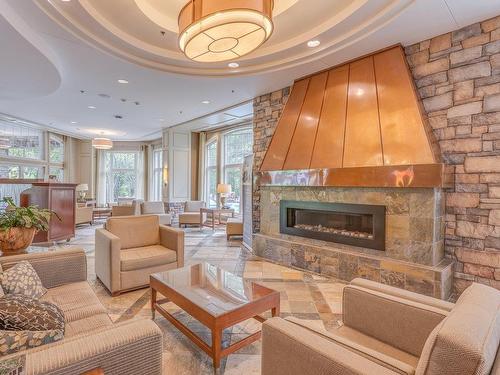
x=82 y=187
x=220 y=30
x=102 y=143
x=223 y=189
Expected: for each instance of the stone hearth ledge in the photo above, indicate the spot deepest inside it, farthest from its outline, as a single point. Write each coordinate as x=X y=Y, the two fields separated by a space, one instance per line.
x=346 y=263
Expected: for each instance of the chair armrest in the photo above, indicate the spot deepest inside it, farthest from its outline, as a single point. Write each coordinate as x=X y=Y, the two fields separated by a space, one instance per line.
x=401 y=323
x=173 y=239
x=107 y=259
x=289 y=349
x=54 y=268
x=129 y=348
x=398 y=292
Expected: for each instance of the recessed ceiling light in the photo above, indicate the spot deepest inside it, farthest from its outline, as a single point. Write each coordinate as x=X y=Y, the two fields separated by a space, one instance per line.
x=122 y=81
x=205 y=102
x=313 y=43
x=162 y=119
x=91 y=107
x=233 y=65
x=73 y=122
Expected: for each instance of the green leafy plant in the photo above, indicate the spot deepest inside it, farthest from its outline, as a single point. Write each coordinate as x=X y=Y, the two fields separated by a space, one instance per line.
x=25 y=217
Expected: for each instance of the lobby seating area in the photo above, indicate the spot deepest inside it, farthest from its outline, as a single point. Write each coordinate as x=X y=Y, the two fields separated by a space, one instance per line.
x=287 y=187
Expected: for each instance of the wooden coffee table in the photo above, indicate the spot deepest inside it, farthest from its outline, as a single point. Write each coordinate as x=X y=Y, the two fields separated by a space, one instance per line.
x=216 y=298
x=213 y=213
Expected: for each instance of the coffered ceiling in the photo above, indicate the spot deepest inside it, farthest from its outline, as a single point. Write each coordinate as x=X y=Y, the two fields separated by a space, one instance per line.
x=61 y=57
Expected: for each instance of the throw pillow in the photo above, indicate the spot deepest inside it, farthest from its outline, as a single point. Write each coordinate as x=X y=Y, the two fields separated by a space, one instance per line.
x=26 y=322
x=22 y=279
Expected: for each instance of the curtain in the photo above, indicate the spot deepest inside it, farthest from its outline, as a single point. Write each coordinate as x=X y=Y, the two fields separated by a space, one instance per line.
x=142 y=173
x=101 y=178
x=201 y=166
x=149 y=179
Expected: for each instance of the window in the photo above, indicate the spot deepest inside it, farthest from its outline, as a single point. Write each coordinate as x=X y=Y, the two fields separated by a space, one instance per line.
x=211 y=174
x=237 y=145
x=157 y=175
x=20 y=171
x=121 y=175
x=56 y=156
x=21 y=142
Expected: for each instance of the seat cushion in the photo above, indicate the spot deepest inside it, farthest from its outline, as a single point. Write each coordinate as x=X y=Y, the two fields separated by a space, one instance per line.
x=83 y=312
x=465 y=342
x=189 y=218
x=193 y=206
x=135 y=231
x=76 y=300
x=145 y=257
x=366 y=346
x=148 y=208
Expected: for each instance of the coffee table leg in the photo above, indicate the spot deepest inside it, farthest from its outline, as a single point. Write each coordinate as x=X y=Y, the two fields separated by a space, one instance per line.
x=275 y=311
x=216 y=346
x=153 y=302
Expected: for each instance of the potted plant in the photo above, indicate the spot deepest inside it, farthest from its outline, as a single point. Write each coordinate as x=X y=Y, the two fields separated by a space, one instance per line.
x=18 y=225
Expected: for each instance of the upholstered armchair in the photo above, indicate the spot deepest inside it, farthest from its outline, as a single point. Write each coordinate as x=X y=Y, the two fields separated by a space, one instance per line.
x=191 y=214
x=83 y=215
x=388 y=331
x=134 y=208
x=158 y=209
x=131 y=248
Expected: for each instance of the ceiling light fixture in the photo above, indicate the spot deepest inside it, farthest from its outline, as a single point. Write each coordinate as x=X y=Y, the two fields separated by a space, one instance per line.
x=74 y=122
x=102 y=143
x=205 y=102
x=313 y=43
x=91 y=107
x=122 y=81
x=213 y=31
x=233 y=65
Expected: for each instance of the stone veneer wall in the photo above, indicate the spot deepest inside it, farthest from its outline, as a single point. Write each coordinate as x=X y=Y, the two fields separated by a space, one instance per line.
x=458 y=77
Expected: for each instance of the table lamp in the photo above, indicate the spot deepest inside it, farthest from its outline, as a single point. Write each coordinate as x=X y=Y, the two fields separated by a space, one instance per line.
x=82 y=191
x=222 y=190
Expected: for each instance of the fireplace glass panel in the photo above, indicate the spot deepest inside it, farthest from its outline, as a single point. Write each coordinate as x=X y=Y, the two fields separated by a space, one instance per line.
x=352 y=224
x=340 y=223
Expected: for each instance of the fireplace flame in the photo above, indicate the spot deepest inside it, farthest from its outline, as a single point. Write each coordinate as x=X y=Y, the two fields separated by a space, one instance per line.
x=404 y=178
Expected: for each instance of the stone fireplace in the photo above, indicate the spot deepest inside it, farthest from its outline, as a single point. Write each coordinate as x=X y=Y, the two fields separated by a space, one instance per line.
x=351 y=181
x=414 y=254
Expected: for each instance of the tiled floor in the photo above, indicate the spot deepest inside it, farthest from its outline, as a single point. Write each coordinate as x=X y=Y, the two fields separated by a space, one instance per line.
x=303 y=295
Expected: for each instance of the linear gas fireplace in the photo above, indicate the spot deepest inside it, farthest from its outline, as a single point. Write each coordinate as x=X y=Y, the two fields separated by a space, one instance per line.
x=352 y=224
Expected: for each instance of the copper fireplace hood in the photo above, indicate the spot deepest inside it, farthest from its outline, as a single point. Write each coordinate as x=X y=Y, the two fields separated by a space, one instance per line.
x=358 y=124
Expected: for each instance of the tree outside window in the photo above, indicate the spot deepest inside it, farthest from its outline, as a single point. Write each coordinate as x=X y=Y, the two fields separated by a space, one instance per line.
x=121 y=175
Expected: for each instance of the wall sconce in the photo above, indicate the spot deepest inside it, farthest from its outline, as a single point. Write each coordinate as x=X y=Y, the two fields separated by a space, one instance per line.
x=165 y=176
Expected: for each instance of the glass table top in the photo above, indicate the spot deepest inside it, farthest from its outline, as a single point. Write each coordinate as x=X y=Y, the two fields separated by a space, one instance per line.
x=212 y=288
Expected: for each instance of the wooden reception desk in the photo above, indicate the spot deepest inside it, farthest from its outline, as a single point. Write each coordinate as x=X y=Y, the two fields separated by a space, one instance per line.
x=59 y=198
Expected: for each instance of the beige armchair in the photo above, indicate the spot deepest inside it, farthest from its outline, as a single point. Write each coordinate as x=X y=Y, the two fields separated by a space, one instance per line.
x=388 y=331
x=83 y=215
x=158 y=209
x=133 y=247
x=191 y=214
x=134 y=208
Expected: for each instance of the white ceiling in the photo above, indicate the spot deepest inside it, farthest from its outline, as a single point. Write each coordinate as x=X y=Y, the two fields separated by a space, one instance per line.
x=52 y=50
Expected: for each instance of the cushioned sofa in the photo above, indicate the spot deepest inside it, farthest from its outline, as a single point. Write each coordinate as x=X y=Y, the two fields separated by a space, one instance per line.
x=389 y=331
x=158 y=209
x=131 y=248
x=91 y=340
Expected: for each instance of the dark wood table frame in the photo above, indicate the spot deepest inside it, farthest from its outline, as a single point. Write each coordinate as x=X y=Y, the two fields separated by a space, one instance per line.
x=253 y=309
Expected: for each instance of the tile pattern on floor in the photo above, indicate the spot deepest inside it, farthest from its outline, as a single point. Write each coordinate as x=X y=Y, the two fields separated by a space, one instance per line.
x=303 y=295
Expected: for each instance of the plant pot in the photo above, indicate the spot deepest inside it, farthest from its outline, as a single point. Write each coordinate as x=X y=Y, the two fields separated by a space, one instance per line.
x=16 y=239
